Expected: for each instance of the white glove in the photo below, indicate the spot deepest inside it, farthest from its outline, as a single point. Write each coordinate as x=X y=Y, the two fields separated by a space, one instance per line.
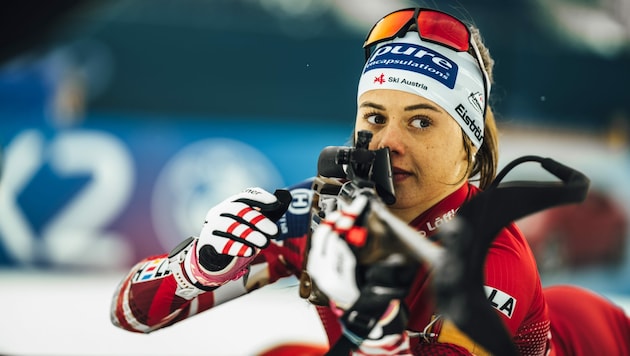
x=233 y=234
x=238 y=226
x=368 y=297
x=331 y=262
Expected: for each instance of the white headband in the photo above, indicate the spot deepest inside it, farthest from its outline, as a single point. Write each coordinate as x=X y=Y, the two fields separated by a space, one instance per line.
x=452 y=80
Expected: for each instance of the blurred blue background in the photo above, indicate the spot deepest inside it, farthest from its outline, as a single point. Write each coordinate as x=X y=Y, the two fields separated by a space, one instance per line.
x=122 y=122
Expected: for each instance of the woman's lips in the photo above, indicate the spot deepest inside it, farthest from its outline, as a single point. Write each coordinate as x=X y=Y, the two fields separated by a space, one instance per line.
x=400 y=174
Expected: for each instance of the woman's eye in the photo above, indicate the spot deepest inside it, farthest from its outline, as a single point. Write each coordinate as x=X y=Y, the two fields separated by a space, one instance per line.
x=421 y=122
x=375 y=119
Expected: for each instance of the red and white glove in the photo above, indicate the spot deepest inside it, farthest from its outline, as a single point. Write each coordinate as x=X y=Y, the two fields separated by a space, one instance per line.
x=367 y=298
x=232 y=235
x=331 y=262
x=238 y=227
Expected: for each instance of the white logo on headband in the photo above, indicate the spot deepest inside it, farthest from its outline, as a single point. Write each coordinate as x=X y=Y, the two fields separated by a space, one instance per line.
x=476 y=99
x=414 y=58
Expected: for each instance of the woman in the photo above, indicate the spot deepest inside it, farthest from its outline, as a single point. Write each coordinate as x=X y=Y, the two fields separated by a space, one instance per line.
x=423 y=94
x=425 y=98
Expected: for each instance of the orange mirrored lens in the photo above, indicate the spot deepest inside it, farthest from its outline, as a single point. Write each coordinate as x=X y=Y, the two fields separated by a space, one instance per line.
x=388 y=26
x=443 y=28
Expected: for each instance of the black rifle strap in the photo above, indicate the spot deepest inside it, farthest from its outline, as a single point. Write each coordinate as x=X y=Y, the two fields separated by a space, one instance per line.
x=459 y=279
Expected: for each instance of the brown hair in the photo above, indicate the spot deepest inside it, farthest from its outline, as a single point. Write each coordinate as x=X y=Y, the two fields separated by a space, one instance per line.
x=485 y=161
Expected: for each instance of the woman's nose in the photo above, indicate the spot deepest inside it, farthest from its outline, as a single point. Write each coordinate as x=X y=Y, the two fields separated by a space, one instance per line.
x=392 y=136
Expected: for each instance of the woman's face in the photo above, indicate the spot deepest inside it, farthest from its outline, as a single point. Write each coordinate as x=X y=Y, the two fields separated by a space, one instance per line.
x=426 y=145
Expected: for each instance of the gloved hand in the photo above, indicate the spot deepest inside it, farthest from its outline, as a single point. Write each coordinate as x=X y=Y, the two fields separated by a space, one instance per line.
x=234 y=232
x=367 y=296
x=331 y=263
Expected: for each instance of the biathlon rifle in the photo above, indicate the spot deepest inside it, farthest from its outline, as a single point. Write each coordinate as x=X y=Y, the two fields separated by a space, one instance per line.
x=458 y=262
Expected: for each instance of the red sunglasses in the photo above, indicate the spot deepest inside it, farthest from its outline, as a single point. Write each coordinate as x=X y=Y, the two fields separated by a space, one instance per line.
x=433 y=26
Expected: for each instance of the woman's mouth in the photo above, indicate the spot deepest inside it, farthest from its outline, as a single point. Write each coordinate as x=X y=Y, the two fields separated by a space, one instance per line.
x=399 y=174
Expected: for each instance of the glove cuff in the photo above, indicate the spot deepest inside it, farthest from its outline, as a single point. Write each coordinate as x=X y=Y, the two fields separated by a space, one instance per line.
x=235 y=269
x=187 y=286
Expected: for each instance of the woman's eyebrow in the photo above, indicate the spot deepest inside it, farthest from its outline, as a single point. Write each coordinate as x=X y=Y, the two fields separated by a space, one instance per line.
x=370 y=104
x=423 y=106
